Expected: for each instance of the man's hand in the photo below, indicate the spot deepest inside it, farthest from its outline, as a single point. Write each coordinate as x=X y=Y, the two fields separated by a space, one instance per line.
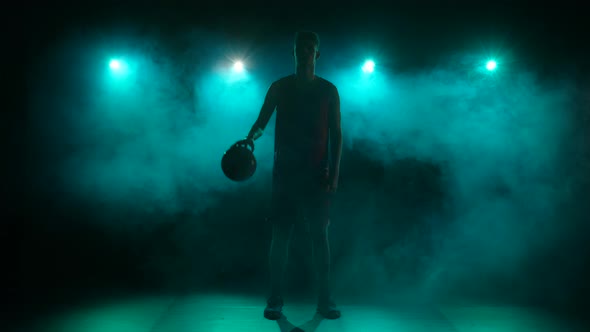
x=254 y=133
x=247 y=141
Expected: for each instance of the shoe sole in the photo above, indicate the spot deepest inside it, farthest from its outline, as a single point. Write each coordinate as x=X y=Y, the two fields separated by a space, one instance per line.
x=272 y=315
x=328 y=316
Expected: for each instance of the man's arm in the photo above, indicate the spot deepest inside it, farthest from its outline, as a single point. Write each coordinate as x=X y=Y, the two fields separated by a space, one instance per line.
x=268 y=107
x=335 y=140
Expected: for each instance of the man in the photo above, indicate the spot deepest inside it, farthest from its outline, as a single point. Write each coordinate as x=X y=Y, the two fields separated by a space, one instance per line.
x=308 y=147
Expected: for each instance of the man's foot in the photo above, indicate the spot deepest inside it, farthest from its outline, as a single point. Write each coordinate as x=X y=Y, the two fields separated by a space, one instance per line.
x=327 y=308
x=274 y=308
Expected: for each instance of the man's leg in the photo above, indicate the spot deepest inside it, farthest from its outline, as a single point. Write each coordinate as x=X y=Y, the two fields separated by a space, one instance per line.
x=279 y=252
x=281 y=234
x=319 y=221
x=321 y=255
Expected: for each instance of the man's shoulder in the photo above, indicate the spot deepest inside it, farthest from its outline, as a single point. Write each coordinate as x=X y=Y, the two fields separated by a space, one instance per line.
x=288 y=81
x=327 y=86
x=324 y=80
x=284 y=80
x=326 y=83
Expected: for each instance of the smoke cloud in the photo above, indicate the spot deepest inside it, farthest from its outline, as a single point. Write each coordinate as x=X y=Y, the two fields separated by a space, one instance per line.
x=451 y=175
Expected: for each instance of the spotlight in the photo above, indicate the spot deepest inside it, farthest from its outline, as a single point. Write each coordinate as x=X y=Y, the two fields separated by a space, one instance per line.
x=238 y=66
x=368 y=67
x=118 y=67
x=115 y=65
x=491 y=65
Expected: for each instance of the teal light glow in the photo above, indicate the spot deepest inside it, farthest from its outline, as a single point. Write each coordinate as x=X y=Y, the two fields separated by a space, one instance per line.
x=491 y=65
x=368 y=67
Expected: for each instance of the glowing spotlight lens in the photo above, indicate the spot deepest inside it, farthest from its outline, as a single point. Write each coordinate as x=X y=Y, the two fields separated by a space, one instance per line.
x=238 y=66
x=369 y=66
x=491 y=65
x=115 y=64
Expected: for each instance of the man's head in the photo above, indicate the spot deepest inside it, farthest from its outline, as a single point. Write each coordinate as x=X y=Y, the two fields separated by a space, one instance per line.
x=306 y=48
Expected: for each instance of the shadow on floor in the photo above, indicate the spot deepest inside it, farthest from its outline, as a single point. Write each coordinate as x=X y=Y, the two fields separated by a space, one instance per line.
x=309 y=326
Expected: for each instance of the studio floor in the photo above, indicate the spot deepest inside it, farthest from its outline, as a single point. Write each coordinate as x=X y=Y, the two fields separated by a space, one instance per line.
x=216 y=312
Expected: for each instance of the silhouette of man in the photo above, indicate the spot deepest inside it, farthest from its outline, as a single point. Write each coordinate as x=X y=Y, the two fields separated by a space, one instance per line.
x=307 y=151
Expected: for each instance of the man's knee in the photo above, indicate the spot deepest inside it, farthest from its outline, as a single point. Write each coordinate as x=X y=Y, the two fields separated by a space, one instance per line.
x=318 y=230
x=281 y=231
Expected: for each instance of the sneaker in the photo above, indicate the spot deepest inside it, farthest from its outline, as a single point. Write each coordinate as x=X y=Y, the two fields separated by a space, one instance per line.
x=274 y=308
x=327 y=308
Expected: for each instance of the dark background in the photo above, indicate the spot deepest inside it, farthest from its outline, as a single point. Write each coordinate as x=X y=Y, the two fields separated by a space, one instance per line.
x=74 y=245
